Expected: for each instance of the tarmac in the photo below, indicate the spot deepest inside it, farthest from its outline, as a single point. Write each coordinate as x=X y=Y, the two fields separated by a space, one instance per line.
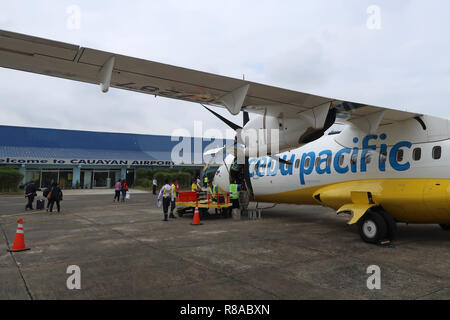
x=125 y=251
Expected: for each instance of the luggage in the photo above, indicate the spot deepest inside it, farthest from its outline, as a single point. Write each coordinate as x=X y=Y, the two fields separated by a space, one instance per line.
x=40 y=204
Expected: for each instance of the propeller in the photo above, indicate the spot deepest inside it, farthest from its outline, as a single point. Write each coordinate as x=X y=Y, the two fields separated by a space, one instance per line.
x=232 y=149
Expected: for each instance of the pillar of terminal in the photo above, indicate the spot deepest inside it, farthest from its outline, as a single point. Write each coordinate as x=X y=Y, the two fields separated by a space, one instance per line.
x=76 y=176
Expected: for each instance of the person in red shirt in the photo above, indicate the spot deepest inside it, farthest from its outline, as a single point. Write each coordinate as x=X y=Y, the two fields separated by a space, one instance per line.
x=124 y=190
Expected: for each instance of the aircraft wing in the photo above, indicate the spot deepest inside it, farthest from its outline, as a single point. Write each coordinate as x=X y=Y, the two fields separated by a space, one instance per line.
x=58 y=59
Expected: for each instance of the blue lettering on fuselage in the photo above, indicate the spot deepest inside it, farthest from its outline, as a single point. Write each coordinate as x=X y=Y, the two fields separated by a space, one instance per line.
x=304 y=170
x=323 y=162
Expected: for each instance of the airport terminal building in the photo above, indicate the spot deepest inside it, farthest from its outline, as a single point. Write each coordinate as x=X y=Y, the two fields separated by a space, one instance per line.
x=85 y=159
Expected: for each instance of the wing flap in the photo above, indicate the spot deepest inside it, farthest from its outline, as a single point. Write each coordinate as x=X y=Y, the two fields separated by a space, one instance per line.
x=28 y=45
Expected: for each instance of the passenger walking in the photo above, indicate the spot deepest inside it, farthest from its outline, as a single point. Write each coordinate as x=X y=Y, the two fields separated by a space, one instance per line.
x=30 y=193
x=167 y=194
x=175 y=189
x=55 y=195
x=155 y=185
x=117 y=188
x=124 y=190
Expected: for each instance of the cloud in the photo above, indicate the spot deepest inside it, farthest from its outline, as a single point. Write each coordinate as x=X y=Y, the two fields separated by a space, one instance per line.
x=320 y=47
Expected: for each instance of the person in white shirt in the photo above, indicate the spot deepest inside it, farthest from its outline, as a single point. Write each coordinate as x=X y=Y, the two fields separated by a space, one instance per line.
x=167 y=194
x=155 y=184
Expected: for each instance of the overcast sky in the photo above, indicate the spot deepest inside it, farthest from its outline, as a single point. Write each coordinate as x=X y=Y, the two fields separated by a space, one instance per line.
x=320 y=47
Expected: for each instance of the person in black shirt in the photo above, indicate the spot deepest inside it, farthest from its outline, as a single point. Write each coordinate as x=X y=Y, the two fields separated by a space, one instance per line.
x=30 y=193
x=55 y=196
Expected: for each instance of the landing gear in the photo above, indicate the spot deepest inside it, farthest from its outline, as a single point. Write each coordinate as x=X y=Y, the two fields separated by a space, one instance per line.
x=445 y=227
x=372 y=227
x=377 y=225
x=390 y=223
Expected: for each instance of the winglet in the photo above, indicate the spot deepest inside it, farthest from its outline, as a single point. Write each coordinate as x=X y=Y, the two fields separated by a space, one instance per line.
x=105 y=74
x=235 y=99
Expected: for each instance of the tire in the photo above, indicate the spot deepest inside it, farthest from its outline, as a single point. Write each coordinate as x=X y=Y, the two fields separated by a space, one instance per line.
x=372 y=227
x=390 y=223
x=445 y=227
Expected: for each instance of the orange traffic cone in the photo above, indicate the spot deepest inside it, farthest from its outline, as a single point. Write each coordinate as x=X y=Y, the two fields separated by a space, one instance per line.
x=196 y=220
x=19 y=240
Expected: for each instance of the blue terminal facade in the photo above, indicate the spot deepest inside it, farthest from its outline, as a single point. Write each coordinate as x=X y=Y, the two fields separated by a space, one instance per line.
x=85 y=159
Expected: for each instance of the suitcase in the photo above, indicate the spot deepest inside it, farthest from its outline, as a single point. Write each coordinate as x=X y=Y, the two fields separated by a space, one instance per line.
x=40 y=204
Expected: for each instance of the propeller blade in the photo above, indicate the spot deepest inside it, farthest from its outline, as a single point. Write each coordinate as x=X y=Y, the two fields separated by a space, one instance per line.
x=215 y=152
x=246 y=118
x=248 y=183
x=231 y=149
x=281 y=160
x=232 y=125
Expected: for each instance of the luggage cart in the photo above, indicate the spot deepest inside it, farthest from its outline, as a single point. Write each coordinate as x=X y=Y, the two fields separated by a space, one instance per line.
x=187 y=201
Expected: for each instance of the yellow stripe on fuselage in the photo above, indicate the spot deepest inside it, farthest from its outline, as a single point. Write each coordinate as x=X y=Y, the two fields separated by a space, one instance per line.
x=407 y=200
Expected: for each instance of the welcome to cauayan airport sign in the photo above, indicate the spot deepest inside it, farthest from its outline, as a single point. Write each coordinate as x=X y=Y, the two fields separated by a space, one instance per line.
x=89 y=162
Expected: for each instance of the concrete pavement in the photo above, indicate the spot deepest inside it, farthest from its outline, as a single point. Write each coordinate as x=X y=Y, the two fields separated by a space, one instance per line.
x=125 y=251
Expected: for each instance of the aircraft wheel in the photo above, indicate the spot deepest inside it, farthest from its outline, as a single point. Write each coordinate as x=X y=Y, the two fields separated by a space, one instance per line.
x=445 y=227
x=390 y=223
x=372 y=227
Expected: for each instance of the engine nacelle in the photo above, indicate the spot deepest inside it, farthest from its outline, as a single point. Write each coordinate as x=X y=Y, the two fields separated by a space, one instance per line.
x=270 y=135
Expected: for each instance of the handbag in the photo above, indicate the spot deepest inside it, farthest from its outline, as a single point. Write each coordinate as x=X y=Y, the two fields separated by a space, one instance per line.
x=49 y=195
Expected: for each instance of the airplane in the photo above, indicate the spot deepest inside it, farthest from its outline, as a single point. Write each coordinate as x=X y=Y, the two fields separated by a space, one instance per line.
x=386 y=166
